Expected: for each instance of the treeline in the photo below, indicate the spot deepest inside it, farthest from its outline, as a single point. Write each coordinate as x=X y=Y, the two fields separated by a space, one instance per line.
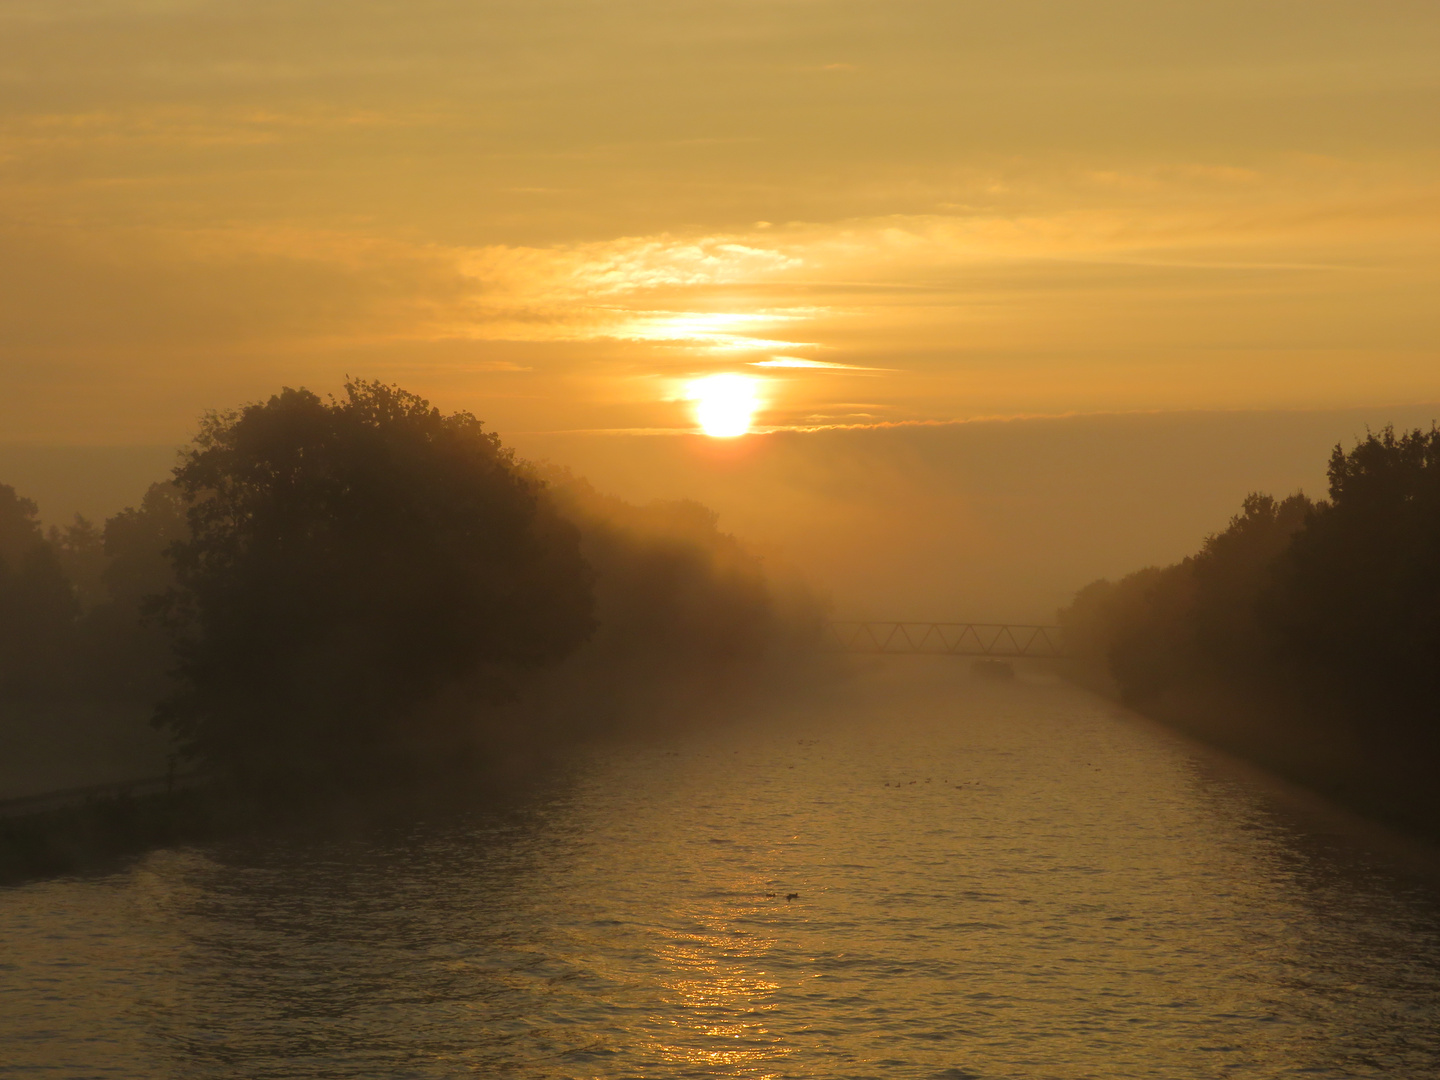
x=74 y=602
x=1305 y=635
x=338 y=598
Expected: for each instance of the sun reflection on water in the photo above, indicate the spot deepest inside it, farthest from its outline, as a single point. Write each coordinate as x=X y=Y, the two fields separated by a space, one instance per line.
x=717 y=995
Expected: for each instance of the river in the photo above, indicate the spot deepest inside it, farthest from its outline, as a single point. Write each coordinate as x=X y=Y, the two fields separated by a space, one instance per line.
x=994 y=880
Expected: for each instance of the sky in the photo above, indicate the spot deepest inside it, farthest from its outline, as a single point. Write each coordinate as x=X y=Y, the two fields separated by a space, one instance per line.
x=1026 y=292
x=983 y=520
x=558 y=214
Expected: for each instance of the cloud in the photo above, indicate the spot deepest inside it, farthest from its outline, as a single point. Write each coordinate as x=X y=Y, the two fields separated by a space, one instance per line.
x=1090 y=306
x=821 y=365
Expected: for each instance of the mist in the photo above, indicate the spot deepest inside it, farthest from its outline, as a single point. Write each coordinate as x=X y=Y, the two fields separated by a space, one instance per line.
x=763 y=537
x=990 y=520
x=995 y=521
x=347 y=599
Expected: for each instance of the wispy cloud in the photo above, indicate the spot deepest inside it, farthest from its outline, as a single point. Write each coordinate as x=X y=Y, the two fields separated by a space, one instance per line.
x=821 y=365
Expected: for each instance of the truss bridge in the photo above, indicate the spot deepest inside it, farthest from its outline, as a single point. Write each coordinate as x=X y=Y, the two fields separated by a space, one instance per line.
x=946 y=639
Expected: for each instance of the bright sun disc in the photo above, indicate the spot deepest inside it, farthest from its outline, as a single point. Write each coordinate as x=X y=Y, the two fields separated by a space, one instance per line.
x=726 y=404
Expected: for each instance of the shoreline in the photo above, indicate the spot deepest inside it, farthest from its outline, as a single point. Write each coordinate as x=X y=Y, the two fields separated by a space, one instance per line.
x=1328 y=778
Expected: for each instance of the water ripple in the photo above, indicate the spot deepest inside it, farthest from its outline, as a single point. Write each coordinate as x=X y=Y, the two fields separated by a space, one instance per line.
x=992 y=882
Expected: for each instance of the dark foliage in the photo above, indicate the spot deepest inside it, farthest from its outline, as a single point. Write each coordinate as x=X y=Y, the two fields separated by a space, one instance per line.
x=365 y=599
x=19 y=525
x=1328 y=613
x=38 y=607
x=689 y=620
x=73 y=602
x=80 y=549
x=124 y=652
x=1356 y=600
x=347 y=562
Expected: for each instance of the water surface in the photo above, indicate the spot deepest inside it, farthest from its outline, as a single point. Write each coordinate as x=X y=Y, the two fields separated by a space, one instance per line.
x=994 y=881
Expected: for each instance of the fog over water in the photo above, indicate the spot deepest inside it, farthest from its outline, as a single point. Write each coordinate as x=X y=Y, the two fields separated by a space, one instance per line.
x=994 y=880
x=998 y=520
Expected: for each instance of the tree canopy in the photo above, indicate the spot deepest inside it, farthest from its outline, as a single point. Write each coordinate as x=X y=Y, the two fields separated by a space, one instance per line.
x=348 y=561
x=1356 y=601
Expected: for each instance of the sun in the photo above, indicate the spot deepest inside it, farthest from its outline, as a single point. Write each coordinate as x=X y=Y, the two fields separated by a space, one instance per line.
x=725 y=404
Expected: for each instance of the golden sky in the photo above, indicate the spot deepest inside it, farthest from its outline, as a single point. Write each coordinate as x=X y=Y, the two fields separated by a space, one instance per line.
x=557 y=214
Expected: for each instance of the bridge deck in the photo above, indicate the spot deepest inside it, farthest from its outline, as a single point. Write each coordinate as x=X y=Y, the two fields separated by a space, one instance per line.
x=946 y=638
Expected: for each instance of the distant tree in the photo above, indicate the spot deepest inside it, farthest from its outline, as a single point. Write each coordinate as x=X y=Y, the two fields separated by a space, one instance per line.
x=674 y=585
x=80 y=548
x=136 y=542
x=1152 y=643
x=1162 y=627
x=348 y=562
x=38 y=608
x=1232 y=570
x=691 y=622
x=125 y=653
x=19 y=526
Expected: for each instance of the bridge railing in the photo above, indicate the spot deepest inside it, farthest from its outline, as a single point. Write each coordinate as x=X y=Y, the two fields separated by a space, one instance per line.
x=946 y=638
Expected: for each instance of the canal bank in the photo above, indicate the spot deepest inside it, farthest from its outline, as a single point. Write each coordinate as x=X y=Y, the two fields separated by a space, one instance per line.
x=1312 y=744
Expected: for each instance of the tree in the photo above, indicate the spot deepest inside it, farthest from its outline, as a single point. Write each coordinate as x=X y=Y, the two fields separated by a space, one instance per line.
x=125 y=655
x=136 y=541
x=1232 y=571
x=80 y=547
x=348 y=563
x=37 y=604
x=38 y=610
x=19 y=526
x=1161 y=628
x=1357 y=603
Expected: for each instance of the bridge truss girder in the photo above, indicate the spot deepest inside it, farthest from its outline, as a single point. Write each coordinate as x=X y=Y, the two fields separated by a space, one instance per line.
x=1012 y=640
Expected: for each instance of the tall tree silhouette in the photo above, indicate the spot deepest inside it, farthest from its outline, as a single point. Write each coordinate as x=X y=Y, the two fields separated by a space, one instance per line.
x=1357 y=602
